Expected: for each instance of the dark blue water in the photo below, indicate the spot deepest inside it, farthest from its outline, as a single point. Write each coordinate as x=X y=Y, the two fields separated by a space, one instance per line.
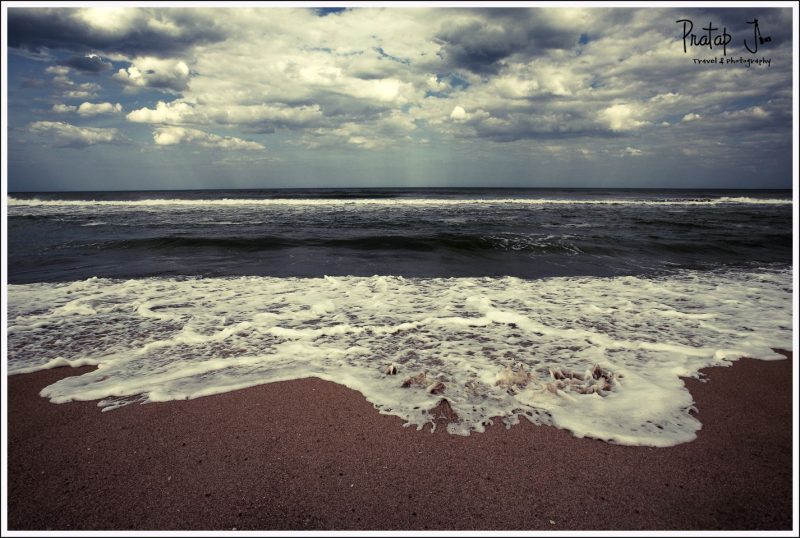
x=528 y=233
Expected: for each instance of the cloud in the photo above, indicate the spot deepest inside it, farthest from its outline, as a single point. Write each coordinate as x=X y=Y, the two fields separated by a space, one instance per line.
x=58 y=70
x=87 y=110
x=755 y=121
x=755 y=112
x=95 y=109
x=505 y=126
x=458 y=114
x=621 y=117
x=150 y=72
x=478 y=45
x=68 y=135
x=170 y=136
x=174 y=112
x=90 y=63
x=131 y=32
x=63 y=109
x=245 y=159
x=482 y=40
x=26 y=82
x=388 y=130
x=257 y=118
x=78 y=94
x=71 y=89
x=537 y=79
x=372 y=79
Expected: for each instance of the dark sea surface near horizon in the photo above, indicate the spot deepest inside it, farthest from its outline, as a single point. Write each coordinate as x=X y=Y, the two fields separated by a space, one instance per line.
x=527 y=233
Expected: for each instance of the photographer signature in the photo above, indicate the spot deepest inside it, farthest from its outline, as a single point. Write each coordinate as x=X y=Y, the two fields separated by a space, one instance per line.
x=711 y=38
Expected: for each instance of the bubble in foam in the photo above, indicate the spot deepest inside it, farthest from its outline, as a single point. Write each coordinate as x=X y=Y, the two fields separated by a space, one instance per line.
x=601 y=357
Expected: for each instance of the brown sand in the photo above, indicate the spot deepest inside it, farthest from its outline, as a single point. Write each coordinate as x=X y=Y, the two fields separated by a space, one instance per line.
x=310 y=454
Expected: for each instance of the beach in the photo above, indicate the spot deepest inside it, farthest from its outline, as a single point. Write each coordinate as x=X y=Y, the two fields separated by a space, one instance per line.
x=282 y=339
x=311 y=454
x=518 y=269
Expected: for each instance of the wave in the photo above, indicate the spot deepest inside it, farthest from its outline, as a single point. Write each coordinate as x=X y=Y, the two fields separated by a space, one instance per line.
x=566 y=244
x=391 y=202
x=600 y=357
x=423 y=243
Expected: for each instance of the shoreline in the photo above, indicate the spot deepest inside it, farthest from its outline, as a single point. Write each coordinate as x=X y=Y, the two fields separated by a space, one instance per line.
x=311 y=454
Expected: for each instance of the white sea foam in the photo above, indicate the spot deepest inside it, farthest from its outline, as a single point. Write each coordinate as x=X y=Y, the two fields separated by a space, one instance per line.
x=22 y=203
x=600 y=357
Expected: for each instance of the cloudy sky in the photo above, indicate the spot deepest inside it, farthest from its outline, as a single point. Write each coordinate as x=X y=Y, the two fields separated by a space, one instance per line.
x=157 y=98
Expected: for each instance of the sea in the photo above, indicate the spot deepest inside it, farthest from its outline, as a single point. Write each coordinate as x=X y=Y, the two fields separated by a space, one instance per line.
x=577 y=308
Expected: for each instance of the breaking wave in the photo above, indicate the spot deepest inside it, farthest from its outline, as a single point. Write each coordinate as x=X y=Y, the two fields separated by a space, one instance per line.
x=600 y=357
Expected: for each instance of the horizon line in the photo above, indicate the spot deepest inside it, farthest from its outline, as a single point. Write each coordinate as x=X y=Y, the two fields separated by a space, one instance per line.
x=9 y=192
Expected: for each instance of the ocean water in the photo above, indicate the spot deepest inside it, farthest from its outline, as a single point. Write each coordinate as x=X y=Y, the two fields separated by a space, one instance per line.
x=576 y=308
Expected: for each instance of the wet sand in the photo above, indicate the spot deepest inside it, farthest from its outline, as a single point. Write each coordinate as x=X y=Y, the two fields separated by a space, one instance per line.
x=310 y=454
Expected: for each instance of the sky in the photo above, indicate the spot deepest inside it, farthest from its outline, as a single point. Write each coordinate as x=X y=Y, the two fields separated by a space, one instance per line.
x=103 y=98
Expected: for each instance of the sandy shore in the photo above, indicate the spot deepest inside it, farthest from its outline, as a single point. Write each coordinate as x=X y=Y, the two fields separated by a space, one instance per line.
x=310 y=454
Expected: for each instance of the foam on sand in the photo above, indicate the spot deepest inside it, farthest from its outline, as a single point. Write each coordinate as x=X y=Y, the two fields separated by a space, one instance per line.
x=601 y=357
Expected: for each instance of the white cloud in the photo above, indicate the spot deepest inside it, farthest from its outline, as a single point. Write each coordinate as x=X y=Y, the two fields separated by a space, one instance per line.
x=539 y=78
x=68 y=135
x=173 y=112
x=386 y=90
x=72 y=90
x=755 y=112
x=691 y=117
x=109 y=20
x=257 y=117
x=78 y=94
x=435 y=85
x=150 y=72
x=87 y=109
x=64 y=109
x=170 y=136
x=621 y=117
x=57 y=70
x=95 y=109
x=386 y=131
x=458 y=114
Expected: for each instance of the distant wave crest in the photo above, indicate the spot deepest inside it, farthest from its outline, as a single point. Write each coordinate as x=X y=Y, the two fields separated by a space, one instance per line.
x=724 y=200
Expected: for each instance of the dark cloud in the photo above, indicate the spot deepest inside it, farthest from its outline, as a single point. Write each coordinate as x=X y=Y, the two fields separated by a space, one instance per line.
x=61 y=28
x=530 y=128
x=347 y=109
x=474 y=47
x=481 y=44
x=91 y=63
x=27 y=82
x=513 y=135
x=743 y=124
x=481 y=40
